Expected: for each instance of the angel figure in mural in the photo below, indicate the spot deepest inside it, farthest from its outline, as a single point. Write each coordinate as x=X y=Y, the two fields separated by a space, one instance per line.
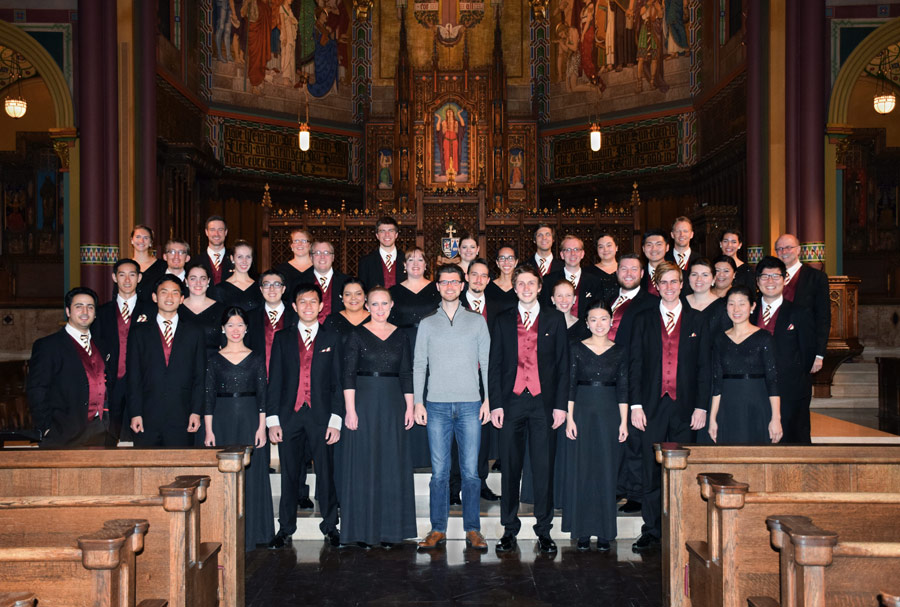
x=650 y=45
x=516 y=174
x=385 y=159
x=451 y=130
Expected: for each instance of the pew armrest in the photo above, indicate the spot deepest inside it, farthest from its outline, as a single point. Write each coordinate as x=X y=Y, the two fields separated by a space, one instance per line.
x=699 y=550
x=761 y=601
x=208 y=556
x=153 y=603
x=17 y=599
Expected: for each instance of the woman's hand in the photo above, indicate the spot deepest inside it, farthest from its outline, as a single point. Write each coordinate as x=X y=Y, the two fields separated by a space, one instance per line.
x=713 y=429
x=351 y=420
x=260 y=438
x=210 y=440
x=409 y=419
x=775 y=432
x=571 y=428
x=623 y=431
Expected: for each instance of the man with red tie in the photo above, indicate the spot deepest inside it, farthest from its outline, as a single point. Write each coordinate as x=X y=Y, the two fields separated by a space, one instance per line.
x=305 y=410
x=329 y=281
x=806 y=287
x=681 y=253
x=543 y=257
x=670 y=396
x=217 y=262
x=655 y=248
x=383 y=266
x=795 y=347
x=166 y=372
x=67 y=388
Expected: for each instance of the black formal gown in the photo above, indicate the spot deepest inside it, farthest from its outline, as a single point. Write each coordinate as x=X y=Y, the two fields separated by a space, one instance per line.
x=744 y=374
x=210 y=322
x=235 y=421
x=148 y=280
x=344 y=327
x=597 y=384
x=746 y=275
x=229 y=295
x=377 y=492
x=292 y=277
x=409 y=308
x=504 y=300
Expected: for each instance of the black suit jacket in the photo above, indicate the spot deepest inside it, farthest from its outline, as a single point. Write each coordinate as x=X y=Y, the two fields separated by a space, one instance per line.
x=642 y=301
x=370 y=269
x=555 y=265
x=493 y=307
x=590 y=289
x=57 y=386
x=226 y=264
x=812 y=294
x=645 y=365
x=686 y=285
x=326 y=386
x=106 y=329
x=552 y=358
x=256 y=332
x=165 y=395
x=795 y=349
x=335 y=288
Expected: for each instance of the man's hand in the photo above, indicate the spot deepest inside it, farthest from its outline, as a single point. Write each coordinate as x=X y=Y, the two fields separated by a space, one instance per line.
x=137 y=424
x=559 y=418
x=484 y=413
x=420 y=414
x=275 y=435
x=497 y=418
x=817 y=365
x=638 y=419
x=193 y=422
x=332 y=435
x=698 y=419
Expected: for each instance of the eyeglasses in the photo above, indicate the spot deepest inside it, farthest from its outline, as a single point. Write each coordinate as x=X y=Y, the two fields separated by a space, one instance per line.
x=272 y=285
x=322 y=253
x=506 y=258
x=771 y=276
x=300 y=241
x=449 y=283
x=570 y=250
x=785 y=248
x=176 y=252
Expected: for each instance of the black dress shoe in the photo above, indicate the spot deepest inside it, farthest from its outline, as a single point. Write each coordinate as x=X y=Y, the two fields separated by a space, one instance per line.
x=333 y=537
x=630 y=507
x=495 y=467
x=387 y=545
x=507 y=543
x=364 y=545
x=584 y=544
x=602 y=545
x=454 y=499
x=546 y=545
x=488 y=495
x=279 y=541
x=306 y=504
x=645 y=543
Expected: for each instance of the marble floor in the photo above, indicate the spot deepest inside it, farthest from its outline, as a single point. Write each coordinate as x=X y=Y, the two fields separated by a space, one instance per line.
x=312 y=573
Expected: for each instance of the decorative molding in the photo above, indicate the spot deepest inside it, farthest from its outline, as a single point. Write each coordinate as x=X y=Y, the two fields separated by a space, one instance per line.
x=99 y=254
x=754 y=254
x=812 y=252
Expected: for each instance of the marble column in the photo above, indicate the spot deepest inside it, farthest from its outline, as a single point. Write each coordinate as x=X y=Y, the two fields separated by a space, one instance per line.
x=98 y=248
x=145 y=167
x=757 y=176
x=793 y=20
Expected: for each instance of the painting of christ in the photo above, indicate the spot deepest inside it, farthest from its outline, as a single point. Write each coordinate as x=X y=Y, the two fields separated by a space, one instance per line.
x=451 y=143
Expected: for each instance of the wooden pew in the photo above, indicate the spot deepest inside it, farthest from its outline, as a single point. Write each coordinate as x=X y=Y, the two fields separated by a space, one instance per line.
x=98 y=572
x=818 y=568
x=74 y=472
x=863 y=468
x=736 y=560
x=17 y=599
x=173 y=563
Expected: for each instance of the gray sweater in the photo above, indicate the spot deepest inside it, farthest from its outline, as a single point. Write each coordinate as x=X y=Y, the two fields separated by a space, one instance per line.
x=451 y=352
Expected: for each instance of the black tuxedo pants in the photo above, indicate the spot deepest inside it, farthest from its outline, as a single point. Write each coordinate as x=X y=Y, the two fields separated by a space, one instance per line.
x=526 y=416
x=301 y=435
x=795 y=421
x=669 y=422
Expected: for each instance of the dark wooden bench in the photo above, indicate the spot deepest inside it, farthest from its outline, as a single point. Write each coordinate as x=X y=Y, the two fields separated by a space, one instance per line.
x=817 y=568
x=857 y=468
x=173 y=563
x=96 y=569
x=100 y=472
x=736 y=560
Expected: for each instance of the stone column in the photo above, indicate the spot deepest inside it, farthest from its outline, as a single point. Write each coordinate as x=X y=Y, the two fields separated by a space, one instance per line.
x=145 y=167
x=757 y=176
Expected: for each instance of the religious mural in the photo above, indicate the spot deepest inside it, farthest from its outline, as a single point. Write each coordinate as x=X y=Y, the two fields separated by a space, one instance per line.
x=451 y=143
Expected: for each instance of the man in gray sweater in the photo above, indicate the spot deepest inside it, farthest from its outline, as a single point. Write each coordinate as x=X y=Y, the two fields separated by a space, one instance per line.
x=453 y=346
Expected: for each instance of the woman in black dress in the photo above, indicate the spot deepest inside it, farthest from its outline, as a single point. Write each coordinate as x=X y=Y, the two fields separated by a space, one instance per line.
x=744 y=273
x=235 y=414
x=500 y=289
x=292 y=270
x=354 y=312
x=414 y=299
x=702 y=299
x=746 y=407
x=724 y=272
x=468 y=252
x=377 y=489
x=240 y=289
x=152 y=268
x=198 y=308
x=595 y=424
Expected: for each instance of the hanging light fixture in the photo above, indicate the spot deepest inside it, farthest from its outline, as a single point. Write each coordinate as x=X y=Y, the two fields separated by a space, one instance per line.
x=15 y=105
x=596 y=137
x=884 y=100
x=303 y=131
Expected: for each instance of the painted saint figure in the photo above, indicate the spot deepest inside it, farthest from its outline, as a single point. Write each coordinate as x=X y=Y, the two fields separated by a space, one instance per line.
x=450 y=131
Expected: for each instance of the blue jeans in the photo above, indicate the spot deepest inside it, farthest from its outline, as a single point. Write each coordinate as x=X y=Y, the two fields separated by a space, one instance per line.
x=459 y=420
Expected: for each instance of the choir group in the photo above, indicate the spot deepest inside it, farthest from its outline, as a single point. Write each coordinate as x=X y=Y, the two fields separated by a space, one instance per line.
x=564 y=374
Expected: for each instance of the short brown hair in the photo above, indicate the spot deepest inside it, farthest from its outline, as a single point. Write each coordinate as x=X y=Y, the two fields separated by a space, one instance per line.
x=662 y=268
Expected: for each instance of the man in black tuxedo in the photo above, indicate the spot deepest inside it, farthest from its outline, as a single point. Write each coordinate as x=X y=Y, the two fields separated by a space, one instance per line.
x=329 y=281
x=383 y=266
x=305 y=410
x=795 y=348
x=66 y=386
x=655 y=247
x=543 y=257
x=587 y=285
x=216 y=261
x=670 y=395
x=176 y=254
x=166 y=372
x=474 y=298
x=114 y=321
x=681 y=253
x=528 y=372
x=807 y=288
x=626 y=304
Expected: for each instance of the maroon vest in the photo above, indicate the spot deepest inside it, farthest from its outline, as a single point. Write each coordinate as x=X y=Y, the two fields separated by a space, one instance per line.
x=670 y=358
x=304 y=390
x=96 y=376
x=216 y=272
x=617 y=318
x=167 y=349
x=270 y=335
x=790 y=289
x=122 y=327
x=390 y=276
x=770 y=327
x=527 y=368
